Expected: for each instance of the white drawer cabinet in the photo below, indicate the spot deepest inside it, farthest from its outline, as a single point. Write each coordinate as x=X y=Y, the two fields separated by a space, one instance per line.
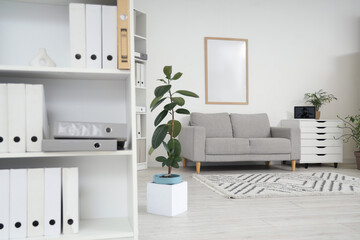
x=320 y=140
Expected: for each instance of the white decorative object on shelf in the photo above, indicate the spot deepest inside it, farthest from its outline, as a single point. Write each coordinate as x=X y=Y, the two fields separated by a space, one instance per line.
x=42 y=60
x=167 y=200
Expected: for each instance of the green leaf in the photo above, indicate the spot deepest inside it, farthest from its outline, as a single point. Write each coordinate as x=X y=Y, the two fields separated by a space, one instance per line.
x=157 y=103
x=168 y=162
x=163 y=164
x=187 y=93
x=154 y=101
x=178 y=159
x=175 y=164
x=169 y=106
x=177 y=128
x=160 y=159
x=162 y=80
x=166 y=147
x=167 y=71
x=179 y=101
x=177 y=76
x=159 y=135
x=174 y=147
x=161 y=90
x=151 y=150
x=160 y=117
x=182 y=111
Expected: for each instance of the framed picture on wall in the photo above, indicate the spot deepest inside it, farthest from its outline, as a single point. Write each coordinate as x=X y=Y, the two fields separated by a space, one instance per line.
x=226 y=71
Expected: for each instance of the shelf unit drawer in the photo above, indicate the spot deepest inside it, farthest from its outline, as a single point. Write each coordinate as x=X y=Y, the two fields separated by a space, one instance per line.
x=320 y=143
x=320 y=123
x=321 y=158
x=334 y=136
x=321 y=130
x=321 y=150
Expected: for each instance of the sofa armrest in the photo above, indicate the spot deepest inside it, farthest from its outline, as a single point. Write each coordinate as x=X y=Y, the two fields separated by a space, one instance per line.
x=293 y=134
x=192 y=139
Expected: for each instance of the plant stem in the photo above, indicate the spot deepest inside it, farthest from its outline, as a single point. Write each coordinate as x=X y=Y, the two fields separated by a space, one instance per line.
x=172 y=125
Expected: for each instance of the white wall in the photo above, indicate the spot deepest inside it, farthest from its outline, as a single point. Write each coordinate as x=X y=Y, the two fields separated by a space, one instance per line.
x=295 y=47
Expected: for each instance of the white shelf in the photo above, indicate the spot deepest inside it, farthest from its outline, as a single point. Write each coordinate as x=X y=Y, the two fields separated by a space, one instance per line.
x=62 y=73
x=140 y=60
x=65 y=154
x=140 y=37
x=141 y=113
x=112 y=228
x=144 y=88
x=66 y=2
x=140 y=138
x=142 y=166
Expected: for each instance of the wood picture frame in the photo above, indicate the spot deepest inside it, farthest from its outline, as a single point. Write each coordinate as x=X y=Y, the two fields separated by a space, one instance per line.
x=226 y=71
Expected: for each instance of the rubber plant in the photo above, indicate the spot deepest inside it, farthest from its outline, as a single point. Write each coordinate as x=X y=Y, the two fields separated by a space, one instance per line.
x=173 y=103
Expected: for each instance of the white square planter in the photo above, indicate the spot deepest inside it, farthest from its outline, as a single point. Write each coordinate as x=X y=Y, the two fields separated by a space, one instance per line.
x=167 y=200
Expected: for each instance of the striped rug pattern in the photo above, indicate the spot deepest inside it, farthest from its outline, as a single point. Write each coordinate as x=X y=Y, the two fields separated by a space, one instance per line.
x=252 y=185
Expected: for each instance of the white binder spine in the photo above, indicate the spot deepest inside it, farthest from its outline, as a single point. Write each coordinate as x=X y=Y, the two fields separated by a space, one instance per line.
x=109 y=37
x=34 y=117
x=35 y=202
x=70 y=183
x=93 y=36
x=4 y=141
x=77 y=35
x=137 y=75
x=52 y=201
x=4 y=203
x=138 y=125
x=142 y=75
x=16 y=117
x=18 y=203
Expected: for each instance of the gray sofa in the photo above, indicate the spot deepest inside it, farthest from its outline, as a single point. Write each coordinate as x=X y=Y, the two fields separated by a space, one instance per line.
x=223 y=137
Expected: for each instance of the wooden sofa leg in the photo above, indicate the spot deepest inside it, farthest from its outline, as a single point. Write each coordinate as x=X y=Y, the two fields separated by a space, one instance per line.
x=268 y=164
x=184 y=162
x=198 y=167
x=293 y=165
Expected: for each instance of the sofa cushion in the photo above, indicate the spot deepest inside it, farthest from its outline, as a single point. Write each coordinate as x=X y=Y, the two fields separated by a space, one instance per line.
x=217 y=125
x=227 y=146
x=269 y=145
x=250 y=125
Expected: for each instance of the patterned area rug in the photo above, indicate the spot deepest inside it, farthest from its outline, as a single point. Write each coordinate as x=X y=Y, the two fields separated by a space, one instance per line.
x=252 y=185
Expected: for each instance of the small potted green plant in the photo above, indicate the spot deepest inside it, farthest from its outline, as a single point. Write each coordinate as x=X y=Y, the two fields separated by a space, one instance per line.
x=318 y=99
x=173 y=104
x=352 y=124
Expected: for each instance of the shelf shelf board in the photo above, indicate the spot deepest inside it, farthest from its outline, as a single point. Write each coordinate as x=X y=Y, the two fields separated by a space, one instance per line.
x=139 y=37
x=140 y=138
x=140 y=60
x=141 y=88
x=66 y=2
x=111 y=228
x=66 y=154
x=62 y=73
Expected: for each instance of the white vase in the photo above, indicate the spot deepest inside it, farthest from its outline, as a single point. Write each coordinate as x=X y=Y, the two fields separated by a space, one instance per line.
x=42 y=60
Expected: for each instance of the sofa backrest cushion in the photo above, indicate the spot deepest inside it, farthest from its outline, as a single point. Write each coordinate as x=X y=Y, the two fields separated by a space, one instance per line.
x=217 y=125
x=250 y=125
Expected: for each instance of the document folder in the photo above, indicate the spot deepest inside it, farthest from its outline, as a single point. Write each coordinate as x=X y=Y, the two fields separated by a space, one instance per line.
x=73 y=145
x=142 y=74
x=52 y=201
x=109 y=37
x=90 y=130
x=70 y=184
x=123 y=26
x=36 y=117
x=77 y=35
x=18 y=203
x=16 y=117
x=137 y=75
x=4 y=140
x=4 y=203
x=93 y=36
x=35 y=202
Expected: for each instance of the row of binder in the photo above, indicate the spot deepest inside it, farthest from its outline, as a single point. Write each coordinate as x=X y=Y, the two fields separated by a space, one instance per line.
x=23 y=118
x=93 y=36
x=34 y=202
x=139 y=75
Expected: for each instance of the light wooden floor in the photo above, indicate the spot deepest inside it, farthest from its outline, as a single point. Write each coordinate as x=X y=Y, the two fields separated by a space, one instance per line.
x=211 y=216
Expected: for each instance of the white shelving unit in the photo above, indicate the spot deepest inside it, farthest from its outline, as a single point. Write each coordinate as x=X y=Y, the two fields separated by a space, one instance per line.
x=108 y=179
x=140 y=46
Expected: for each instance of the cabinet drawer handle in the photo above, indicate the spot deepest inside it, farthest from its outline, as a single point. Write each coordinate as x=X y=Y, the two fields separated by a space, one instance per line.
x=320 y=127
x=321 y=155
x=320 y=147
x=320 y=133
x=321 y=121
x=321 y=139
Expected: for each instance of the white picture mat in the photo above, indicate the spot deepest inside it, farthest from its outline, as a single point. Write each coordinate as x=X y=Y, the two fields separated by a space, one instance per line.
x=226 y=71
